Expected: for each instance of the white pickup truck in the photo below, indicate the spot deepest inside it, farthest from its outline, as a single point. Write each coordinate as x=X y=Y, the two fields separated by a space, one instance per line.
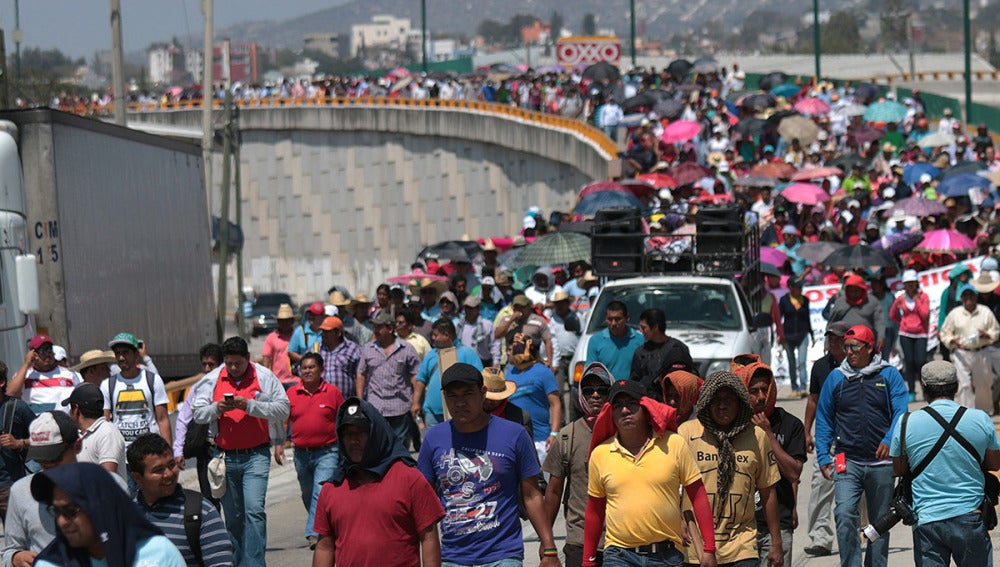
x=710 y=314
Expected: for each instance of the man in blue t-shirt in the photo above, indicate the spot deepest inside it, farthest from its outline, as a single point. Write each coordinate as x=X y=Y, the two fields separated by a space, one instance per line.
x=948 y=492
x=615 y=345
x=306 y=338
x=477 y=463
x=427 y=391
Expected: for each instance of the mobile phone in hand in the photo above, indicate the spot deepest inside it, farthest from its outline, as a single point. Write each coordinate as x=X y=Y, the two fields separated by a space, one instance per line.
x=228 y=397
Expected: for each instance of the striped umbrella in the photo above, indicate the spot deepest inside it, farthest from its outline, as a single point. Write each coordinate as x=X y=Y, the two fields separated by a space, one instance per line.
x=555 y=248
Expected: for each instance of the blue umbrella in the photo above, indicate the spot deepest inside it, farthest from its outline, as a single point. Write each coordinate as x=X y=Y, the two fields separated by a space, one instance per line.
x=958 y=185
x=912 y=173
x=885 y=111
x=594 y=202
x=786 y=90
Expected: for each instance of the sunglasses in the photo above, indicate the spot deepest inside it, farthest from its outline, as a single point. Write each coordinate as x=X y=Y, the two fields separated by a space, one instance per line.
x=591 y=390
x=68 y=512
x=855 y=347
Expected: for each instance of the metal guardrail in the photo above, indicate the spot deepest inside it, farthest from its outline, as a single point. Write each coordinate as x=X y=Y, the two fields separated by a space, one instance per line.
x=935 y=76
x=582 y=129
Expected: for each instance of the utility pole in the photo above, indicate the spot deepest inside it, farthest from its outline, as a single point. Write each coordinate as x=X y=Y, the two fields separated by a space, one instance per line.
x=237 y=142
x=227 y=151
x=816 y=38
x=117 y=62
x=18 y=36
x=4 y=77
x=968 y=61
x=423 y=34
x=206 y=101
x=909 y=42
x=632 y=25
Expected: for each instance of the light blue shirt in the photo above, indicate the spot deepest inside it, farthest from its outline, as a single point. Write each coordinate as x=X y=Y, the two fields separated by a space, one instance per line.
x=429 y=375
x=156 y=551
x=614 y=353
x=799 y=265
x=304 y=339
x=951 y=484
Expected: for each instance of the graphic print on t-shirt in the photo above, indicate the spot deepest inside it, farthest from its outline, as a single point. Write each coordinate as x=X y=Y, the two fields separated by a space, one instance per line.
x=131 y=413
x=469 y=489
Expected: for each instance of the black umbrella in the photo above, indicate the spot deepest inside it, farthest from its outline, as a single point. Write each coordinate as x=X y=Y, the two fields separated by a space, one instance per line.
x=645 y=99
x=771 y=80
x=818 y=251
x=705 y=65
x=866 y=93
x=775 y=119
x=601 y=72
x=758 y=101
x=454 y=250
x=669 y=108
x=679 y=68
x=749 y=127
x=964 y=167
x=846 y=162
x=859 y=256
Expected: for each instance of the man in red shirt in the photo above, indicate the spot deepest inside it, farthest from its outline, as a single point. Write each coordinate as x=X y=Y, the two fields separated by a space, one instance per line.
x=245 y=405
x=377 y=508
x=314 y=405
x=275 y=352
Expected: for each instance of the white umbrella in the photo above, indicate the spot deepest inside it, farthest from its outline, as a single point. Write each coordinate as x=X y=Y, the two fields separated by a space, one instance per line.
x=936 y=140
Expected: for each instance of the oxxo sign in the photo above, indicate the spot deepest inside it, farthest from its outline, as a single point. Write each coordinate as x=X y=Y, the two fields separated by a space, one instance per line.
x=572 y=51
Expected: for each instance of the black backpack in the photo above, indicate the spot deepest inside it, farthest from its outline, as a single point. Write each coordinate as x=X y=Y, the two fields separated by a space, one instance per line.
x=196 y=440
x=192 y=523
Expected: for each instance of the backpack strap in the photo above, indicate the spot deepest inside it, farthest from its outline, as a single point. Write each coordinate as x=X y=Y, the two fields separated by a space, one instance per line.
x=949 y=431
x=192 y=523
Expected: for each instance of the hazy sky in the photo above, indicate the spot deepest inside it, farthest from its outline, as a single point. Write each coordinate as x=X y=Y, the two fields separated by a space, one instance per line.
x=81 y=27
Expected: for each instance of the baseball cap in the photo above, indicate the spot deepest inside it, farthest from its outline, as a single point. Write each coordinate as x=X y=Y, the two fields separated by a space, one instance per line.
x=631 y=388
x=938 y=373
x=85 y=395
x=354 y=414
x=51 y=433
x=855 y=281
x=472 y=301
x=59 y=353
x=910 y=276
x=861 y=333
x=488 y=281
x=838 y=329
x=38 y=341
x=127 y=339
x=383 y=318
x=316 y=308
x=521 y=301
x=331 y=323
x=461 y=373
x=789 y=229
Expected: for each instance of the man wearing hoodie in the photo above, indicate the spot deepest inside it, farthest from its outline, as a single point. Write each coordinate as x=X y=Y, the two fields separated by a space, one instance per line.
x=638 y=465
x=859 y=403
x=566 y=462
x=857 y=307
x=376 y=504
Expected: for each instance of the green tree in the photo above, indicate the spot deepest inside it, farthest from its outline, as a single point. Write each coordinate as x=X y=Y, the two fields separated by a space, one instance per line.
x=842 y=34
x=589 y=24
x=893 y=25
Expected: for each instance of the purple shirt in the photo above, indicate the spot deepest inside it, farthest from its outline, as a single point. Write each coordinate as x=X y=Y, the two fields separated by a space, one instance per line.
x=389 y=378
x=340 y=365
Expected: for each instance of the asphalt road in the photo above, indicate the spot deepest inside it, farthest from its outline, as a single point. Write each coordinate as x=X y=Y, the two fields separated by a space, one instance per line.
x=286 y=515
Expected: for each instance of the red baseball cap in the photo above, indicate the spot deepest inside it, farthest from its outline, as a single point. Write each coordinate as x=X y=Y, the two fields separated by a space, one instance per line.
x=855 y=281
x=861 y=333
x=37 y=341
x=316 y=308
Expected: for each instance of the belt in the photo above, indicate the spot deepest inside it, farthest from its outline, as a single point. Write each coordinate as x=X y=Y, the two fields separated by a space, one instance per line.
x=320 y=448
x=261 y=447
x=653 y=548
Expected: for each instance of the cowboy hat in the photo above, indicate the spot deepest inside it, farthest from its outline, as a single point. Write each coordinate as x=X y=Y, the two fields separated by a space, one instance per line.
x=415 y=286
x=94 y=357
x=497 y=387
x=985 y=282
x=361 y=299
x=338 y=299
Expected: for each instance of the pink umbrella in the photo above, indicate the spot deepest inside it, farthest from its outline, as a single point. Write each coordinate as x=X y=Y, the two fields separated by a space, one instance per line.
x=680 y=131
x=817 y=173
x=812 y=106
x=407 y=278
x=805 y=193
x=772 y=256
x=946 y=240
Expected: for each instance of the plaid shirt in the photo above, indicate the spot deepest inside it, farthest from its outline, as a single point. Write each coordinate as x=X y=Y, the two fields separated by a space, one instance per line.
x=389 y=378
x=340 y=365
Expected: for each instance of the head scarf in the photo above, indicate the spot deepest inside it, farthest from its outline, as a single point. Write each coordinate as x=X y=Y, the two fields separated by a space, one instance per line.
x=522 y=350
x=597 y=370
x=383 y=449
x=747 y=372
x=662 y=418
x=688 y=387
x=118 y=522
x=727 y=456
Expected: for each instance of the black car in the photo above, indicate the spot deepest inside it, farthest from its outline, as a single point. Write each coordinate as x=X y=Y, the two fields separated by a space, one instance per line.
x=265 y=310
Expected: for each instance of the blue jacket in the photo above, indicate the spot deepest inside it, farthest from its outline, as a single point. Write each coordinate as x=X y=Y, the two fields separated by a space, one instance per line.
x=858 y=409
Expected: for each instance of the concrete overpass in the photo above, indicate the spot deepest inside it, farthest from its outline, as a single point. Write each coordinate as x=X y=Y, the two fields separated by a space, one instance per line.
x=348 y=191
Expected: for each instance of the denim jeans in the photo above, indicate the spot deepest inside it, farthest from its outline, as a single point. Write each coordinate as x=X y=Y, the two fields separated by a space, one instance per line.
x=400 y=425
x=432 y=419
x=914 y=357
x=875 y=481
x=963 y=538
x=313 y=466
x=243 y=504
x=621 y=557
x=501 y=563
x=797 y=357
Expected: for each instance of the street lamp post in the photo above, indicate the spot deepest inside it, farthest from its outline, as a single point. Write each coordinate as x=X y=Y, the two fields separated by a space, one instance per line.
x=968 y=61
x=17 y=37
x=632 y=8
x=816 y=36
x=423 y=34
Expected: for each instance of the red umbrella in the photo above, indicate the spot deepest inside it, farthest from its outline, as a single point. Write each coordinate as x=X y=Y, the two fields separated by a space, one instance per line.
x=812 y=106
x=680 y=131
x=946 y=240
x=418 y=276
x=689 y=172
x=817 y=173
x=659 y=180
x=641 y=189
x=601 y=186
x=805 y=193
x=776 y=170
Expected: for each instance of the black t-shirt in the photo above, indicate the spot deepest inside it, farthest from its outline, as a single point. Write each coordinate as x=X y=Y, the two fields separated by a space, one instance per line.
x=791 y=435
x=651 y=362
x=820 y=370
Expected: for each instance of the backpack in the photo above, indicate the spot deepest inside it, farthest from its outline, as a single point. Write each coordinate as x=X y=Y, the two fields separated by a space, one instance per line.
x=192 y=523
x=196 y=440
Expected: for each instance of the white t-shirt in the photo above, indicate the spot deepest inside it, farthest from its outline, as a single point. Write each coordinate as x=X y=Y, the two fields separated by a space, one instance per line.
x=49 y=388
x=103 y=443
x=131 y=410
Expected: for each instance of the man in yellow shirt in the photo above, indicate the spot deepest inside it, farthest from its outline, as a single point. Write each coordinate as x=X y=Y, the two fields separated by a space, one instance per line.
x=637 y=467
x=737 y=464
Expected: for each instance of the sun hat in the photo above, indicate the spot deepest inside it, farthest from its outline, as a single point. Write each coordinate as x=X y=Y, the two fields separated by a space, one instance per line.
x=93 y=358
x=498 y=388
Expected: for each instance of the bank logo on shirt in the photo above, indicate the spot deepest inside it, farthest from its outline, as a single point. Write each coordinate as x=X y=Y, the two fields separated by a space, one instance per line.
x=131 y=412
x=468 y=489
